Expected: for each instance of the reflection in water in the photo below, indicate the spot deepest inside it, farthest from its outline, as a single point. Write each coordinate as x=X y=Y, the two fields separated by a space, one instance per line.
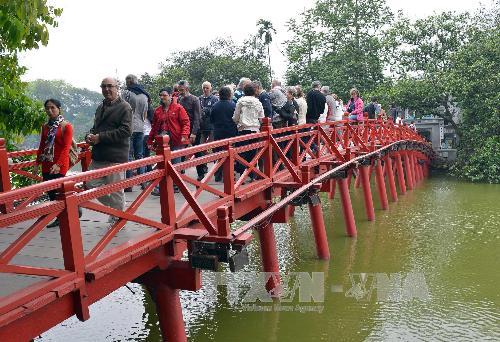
x=446 y=230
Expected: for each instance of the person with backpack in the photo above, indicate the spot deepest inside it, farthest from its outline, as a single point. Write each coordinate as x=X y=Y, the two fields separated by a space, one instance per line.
x=54 y=149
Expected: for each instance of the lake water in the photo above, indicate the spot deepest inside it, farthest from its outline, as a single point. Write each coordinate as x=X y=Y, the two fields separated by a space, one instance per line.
x=426 y=269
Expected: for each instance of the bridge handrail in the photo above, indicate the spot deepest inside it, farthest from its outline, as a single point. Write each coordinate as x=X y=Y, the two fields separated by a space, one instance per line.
x=273 y=147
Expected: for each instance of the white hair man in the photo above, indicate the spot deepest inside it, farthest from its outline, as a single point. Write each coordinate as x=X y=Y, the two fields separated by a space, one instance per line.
x=110 y=139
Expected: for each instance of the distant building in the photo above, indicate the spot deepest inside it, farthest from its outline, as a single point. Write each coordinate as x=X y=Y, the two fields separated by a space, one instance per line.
x=442 y=137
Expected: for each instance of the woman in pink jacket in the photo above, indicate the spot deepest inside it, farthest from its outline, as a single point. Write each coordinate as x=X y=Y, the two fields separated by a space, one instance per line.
x=355 y=106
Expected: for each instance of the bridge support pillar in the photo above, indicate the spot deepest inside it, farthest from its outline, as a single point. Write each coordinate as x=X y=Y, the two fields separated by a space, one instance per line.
x=382 y=192
x=419 y=169
x=349 y=177
x=409 y=174
x=331 y=193
x=357 y=183
x=401 y=176
x=390 y=178
x=345 y=198
x=168 y=306
x=319 y=230
x=367 y=192
x=270 y=259
x=414 y=171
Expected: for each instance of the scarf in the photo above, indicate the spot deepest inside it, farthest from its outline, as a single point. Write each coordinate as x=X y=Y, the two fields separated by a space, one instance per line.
x=48 y=151
x=138 y=89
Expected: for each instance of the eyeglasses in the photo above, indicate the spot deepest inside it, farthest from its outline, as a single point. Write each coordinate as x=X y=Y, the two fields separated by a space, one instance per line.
x=107 y=86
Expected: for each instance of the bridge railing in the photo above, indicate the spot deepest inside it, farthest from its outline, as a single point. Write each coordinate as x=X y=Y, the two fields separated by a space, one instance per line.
x=273 y=155
x=21 y=163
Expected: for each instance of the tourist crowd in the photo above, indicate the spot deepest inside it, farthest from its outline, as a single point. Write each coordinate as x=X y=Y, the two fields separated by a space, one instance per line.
x=126 y=124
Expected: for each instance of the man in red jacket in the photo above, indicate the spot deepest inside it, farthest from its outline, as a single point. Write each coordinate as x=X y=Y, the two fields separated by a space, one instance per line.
x=172 y=119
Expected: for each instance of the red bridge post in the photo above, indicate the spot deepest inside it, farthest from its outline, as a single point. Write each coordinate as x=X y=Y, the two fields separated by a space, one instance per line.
x=417 y=168
x=345 y=198
x=86 y=158
x=357 y=182
x=382 y=192
x=317 y=220
x=72 y=246
x=400 y=173
x=409 y=173
x=4 y=176
x=169 y=309
x=270 y=259
x=331 y=193
x=390 y=178
x=168 y=305
x=266 y=233
x=367 y=192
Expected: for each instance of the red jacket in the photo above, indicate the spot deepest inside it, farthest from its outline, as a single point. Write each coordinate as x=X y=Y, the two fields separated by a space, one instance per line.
x=175 y=120
x=62 y=145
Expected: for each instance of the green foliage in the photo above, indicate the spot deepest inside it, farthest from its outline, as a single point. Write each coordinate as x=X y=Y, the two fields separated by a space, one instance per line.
x=423 y=47
x=221 y=62
x=474 y=77
x=339 y=43
x=19 y=114
x=24 y=26
x=78 y=105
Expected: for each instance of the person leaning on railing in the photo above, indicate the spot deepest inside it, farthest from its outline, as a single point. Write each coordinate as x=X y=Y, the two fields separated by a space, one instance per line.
x=54 y=147
x=355 y=106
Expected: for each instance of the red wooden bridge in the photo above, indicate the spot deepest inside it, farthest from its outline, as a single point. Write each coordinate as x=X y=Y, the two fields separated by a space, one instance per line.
x=50 y=274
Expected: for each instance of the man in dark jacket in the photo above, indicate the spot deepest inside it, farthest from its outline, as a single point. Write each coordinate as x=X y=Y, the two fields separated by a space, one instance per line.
x=110 y=138
x=207 y=100
x=315 y=103
x=371 y=108
x=193 y=108
x=264 y=99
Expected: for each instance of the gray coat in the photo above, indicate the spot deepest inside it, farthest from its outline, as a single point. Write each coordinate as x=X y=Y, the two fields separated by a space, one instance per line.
x=113 y=124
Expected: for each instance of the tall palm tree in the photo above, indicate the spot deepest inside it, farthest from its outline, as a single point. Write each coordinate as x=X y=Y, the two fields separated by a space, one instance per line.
x=266 y=31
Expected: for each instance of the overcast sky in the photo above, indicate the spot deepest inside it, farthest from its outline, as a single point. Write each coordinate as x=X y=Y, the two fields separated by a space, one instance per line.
x=97 y=38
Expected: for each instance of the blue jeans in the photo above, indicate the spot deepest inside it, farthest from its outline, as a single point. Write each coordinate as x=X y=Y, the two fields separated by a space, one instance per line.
x=353 y=117
x=147 y=152
x=175 y=148
x=136 y=151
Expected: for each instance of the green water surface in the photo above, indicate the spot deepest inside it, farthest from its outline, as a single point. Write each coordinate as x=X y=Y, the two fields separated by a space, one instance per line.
x=446 y=232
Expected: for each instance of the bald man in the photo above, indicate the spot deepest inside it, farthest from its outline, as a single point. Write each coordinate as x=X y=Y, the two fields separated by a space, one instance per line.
x=109 y=138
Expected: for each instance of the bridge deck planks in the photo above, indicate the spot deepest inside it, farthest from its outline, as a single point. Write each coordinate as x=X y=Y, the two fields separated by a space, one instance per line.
x=45 y=249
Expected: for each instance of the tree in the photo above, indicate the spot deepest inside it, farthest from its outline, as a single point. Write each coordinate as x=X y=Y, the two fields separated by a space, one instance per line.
x=473 y=78
x=220 y=62
x=419 y=57
x=266 y=31
x=339 y=43
x=78 y=105
x=24 y=27
x=300 y=49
